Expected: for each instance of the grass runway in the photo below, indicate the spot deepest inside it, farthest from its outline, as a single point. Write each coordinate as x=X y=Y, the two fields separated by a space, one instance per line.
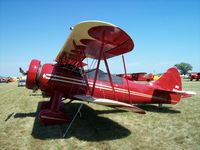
x=175 y=127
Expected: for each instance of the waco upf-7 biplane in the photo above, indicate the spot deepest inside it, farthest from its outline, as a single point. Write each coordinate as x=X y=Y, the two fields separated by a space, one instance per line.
x=68 y=78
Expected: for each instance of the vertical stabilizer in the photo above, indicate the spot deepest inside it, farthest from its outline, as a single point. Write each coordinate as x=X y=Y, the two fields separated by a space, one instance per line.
x=170 y=80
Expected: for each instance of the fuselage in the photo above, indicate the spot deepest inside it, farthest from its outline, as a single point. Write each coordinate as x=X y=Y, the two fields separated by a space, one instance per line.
x=69 y=81
x=131 y=92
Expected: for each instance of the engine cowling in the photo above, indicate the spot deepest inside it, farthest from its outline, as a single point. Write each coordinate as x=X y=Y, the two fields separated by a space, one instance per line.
x=33 y=74
x=50 y=78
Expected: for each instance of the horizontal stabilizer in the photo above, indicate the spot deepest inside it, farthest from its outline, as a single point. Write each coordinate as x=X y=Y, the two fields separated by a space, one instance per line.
x=110 y=103
x=185 y=94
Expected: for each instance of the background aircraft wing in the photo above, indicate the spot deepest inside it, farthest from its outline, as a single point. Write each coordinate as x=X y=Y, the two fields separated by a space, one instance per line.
x=87 y=38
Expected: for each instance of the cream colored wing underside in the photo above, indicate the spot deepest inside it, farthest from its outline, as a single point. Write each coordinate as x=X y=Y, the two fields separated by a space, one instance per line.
x=80 y=31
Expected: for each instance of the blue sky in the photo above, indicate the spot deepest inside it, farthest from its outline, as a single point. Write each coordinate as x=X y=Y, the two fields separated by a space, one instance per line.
x=165 y=32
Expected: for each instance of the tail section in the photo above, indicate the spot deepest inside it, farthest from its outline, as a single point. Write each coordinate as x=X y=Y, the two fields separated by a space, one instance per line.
x=170 y=80
x=169 y=86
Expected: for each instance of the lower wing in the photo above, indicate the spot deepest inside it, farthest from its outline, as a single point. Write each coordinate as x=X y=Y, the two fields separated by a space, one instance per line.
x=110 y=103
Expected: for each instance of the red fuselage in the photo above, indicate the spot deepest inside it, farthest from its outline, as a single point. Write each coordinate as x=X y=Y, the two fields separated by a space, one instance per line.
x=69 y=81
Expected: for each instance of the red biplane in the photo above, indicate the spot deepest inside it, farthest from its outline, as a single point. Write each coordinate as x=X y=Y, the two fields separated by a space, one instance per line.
x=140 y=76
x=194 y=75
x=69 y=79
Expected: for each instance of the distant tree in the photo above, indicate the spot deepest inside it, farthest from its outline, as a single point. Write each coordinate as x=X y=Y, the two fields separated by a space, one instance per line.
x=183 y=68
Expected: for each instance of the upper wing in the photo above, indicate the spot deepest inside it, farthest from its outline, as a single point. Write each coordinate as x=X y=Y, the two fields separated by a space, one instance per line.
x=110 y=103
x=87 y=38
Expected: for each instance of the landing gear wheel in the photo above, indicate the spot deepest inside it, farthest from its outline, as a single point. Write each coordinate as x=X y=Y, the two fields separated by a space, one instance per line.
x=48 y=117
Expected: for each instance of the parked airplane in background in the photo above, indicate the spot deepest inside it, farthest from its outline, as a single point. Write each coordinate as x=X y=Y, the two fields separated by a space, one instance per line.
x=7 y=79
x=140 y=76
x=194 y=75
x=68 y=78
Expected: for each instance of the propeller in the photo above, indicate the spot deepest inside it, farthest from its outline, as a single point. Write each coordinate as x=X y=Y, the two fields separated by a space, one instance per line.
x=22 y=71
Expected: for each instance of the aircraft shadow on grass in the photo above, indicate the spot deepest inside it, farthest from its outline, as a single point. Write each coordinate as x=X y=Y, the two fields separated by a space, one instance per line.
x=156 y=109
x=91 y=126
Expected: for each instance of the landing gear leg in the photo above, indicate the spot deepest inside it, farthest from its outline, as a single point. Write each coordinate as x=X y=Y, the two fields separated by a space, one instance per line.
x=51 y=114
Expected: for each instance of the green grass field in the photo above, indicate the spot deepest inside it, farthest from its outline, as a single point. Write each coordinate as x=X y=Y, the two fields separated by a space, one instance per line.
x=174 y=127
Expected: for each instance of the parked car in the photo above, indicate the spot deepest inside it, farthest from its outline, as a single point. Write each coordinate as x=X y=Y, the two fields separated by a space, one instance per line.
x=21 y=82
